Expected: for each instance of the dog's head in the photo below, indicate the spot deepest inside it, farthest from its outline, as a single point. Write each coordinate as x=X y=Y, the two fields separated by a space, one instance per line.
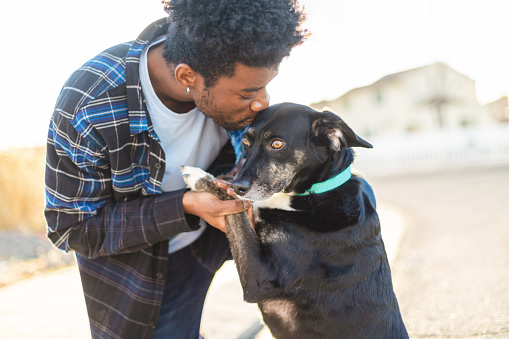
x=290 y=147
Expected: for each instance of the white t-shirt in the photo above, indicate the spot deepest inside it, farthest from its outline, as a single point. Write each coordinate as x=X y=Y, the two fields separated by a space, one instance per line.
x=187 y=139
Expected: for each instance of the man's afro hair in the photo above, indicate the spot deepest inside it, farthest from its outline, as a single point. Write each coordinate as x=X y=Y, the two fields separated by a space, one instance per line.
x=212 y=35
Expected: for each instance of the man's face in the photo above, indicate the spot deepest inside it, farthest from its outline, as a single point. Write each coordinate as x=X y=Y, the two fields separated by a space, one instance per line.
x=233 y=102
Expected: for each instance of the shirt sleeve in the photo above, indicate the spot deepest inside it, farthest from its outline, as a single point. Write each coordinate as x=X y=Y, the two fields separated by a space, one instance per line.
x=81 y=211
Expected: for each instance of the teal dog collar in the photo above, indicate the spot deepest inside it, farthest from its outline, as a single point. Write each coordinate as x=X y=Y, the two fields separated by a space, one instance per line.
x=329 y=184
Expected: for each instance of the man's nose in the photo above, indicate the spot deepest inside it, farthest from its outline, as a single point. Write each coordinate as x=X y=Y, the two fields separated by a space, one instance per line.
x=261 y=101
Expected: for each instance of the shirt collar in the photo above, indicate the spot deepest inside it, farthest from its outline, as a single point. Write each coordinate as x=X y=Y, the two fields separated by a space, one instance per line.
x=139 y=120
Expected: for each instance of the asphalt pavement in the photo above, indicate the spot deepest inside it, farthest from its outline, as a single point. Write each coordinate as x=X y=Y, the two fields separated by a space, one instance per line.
x=451 y=274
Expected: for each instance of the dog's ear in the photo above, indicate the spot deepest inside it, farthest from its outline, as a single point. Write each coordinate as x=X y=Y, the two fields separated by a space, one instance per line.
x=330 y=127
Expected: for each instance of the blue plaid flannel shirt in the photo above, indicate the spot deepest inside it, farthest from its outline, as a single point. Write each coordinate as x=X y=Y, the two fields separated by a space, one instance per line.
x=103 y=190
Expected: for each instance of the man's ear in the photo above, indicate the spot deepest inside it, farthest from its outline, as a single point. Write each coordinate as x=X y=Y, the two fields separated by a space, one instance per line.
x=185 y=76
x=330 y=128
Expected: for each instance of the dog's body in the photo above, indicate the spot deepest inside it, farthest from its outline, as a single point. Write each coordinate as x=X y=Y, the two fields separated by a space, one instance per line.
x=315 y=263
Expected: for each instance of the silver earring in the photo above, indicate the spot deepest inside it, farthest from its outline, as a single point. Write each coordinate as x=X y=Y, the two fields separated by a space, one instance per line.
x=187 y=90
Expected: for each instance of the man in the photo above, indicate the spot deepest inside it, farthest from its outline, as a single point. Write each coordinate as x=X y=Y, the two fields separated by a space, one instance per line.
x=123 y=125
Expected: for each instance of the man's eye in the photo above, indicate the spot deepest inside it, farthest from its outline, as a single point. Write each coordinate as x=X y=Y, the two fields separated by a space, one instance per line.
x=246 y=142
x=249 y=97
x=277 y=144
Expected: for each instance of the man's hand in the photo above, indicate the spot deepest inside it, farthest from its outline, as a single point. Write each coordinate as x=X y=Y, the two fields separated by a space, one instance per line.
x=211 y=209
x=228 y=187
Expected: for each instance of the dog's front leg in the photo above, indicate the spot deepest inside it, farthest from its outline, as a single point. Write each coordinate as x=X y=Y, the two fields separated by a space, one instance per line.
x=256 y=275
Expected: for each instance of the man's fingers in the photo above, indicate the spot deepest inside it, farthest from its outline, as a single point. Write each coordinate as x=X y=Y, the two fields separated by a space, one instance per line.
x=247 y=205
x=226 y=186
x=241 y=205
x=232 y=193
x=211 y=208
x=235 y=206
x=222 y=184
x=251 y=217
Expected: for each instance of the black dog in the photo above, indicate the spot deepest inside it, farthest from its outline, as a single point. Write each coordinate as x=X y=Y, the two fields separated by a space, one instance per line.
x=316 y=264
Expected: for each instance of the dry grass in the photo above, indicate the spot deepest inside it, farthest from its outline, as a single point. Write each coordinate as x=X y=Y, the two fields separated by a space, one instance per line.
x=23 y=252
x=22 y=189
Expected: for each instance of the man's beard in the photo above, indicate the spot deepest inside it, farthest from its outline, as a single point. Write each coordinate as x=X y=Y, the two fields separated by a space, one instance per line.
x=206 y=105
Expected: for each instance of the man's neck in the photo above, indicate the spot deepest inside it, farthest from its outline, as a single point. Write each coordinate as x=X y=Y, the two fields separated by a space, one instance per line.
x=164 y=84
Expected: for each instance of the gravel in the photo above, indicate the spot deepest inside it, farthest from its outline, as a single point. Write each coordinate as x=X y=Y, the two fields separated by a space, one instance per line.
x=24 y=255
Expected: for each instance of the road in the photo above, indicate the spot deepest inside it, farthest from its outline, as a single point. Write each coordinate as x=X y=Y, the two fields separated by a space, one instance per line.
x=451 y=274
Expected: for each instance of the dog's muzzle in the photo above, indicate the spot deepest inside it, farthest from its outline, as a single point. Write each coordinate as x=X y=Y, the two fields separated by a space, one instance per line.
x=240 y=187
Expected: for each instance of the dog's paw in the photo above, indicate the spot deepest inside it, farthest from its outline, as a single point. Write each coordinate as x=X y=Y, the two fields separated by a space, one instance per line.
x=193 y=175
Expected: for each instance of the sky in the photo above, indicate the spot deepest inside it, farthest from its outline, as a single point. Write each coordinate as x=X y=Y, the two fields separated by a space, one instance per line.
x=353 y=44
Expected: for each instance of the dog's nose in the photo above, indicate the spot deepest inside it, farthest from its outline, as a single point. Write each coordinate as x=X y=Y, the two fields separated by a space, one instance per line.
x=240 y=186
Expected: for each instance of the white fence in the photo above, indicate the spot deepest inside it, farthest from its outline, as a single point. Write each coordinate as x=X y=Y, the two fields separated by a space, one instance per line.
x=445 y=149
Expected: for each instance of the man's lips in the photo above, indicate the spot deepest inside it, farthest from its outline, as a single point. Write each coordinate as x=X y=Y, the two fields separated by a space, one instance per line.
x=245 y=122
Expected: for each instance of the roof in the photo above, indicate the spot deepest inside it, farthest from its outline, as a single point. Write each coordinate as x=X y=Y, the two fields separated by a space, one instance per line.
x=386 y=79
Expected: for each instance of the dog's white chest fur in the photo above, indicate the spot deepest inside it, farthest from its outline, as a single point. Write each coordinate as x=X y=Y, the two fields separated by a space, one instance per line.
x=280 y=201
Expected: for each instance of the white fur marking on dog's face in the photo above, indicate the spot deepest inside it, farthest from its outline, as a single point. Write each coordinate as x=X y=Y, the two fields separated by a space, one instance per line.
x=192 y=174
x=270 y=180
x=274 y=177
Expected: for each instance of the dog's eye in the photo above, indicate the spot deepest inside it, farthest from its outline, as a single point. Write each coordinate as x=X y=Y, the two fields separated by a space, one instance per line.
x=246 y=142
x=277 y=144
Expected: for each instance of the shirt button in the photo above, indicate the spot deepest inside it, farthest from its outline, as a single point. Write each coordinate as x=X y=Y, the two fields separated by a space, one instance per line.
x=159 y=275
x=157 y=165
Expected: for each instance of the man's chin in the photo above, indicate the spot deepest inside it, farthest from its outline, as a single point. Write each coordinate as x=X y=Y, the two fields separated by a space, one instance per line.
x=229 y=125
x=234 y=127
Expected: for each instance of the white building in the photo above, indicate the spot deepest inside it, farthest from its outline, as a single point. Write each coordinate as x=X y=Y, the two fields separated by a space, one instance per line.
x=418 y=100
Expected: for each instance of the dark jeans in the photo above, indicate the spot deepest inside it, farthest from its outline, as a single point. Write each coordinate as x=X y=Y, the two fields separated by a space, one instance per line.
x=190 y=272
